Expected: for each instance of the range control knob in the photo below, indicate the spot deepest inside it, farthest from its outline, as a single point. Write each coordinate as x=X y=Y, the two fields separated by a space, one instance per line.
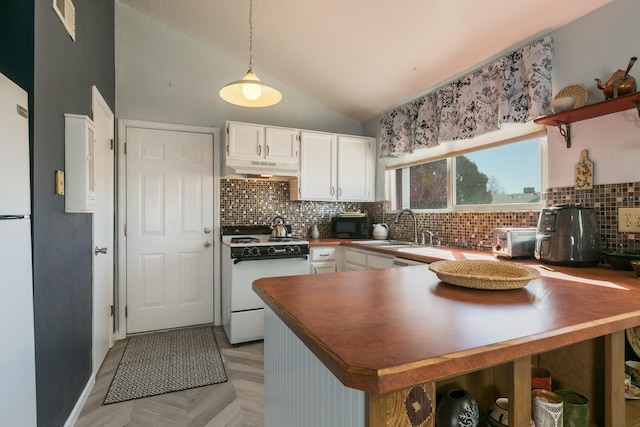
x=246 y=251
x=272 y=250
x=296 y=249
x=255 y=251
x=288 y=250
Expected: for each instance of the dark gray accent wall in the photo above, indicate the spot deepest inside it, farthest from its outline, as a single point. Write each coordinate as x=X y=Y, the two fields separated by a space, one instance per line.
x=58 y=73
x=16 y=42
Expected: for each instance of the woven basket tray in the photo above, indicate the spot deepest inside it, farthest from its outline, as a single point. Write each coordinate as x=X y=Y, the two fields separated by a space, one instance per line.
x=484 y=274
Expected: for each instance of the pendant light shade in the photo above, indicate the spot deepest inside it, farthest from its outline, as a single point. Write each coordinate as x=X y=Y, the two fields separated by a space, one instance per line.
x=250 y=91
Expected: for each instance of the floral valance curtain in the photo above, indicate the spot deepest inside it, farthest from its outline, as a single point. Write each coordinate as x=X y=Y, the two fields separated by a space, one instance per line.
x=512 y=89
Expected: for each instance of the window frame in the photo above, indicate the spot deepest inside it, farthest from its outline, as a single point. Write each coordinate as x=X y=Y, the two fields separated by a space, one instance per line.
x=451 y=181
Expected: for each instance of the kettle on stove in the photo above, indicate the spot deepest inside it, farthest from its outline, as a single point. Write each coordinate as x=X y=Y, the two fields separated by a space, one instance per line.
x=568 y=235
x=278 y=229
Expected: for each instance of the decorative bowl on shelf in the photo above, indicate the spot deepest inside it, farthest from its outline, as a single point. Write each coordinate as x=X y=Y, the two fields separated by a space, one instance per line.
x=577 y=91
x=621 y=260
x=565 y=103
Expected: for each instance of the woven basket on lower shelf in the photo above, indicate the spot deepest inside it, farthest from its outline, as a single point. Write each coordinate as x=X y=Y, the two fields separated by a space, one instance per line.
x=484 y=274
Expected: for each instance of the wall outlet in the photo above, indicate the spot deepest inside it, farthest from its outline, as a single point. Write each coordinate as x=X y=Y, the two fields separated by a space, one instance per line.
x=629 y=220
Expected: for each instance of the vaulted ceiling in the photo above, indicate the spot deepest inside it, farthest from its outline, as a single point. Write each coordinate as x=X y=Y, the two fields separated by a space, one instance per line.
x=362 y=57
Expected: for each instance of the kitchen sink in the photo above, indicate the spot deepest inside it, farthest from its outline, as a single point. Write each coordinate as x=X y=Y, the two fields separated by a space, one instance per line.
x=385 y=243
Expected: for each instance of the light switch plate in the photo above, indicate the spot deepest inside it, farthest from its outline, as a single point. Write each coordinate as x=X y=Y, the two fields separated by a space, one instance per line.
x=60 y=183
x=629 y=220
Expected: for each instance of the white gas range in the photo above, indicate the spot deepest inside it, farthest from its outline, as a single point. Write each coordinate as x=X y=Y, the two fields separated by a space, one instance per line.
x=249 y=253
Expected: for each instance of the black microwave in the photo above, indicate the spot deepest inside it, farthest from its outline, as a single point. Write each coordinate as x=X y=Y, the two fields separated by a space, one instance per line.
x=350 y=227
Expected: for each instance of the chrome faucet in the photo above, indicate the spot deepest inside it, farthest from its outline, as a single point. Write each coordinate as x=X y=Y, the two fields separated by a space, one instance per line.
x=415 y=222
x=424 y=238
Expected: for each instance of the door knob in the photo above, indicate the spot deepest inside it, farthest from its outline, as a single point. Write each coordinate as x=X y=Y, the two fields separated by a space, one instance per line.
x=207 y=230
x=207 y=244
x=100 y=250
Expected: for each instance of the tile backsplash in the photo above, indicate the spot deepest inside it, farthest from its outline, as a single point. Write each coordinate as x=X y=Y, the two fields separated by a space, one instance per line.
x=257 y=202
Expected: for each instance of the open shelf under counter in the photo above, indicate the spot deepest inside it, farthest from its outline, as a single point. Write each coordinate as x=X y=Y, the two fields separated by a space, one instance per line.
x=614 y=105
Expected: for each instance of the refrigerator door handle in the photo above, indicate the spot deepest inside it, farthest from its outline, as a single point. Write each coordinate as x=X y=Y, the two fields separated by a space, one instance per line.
x=7 y=217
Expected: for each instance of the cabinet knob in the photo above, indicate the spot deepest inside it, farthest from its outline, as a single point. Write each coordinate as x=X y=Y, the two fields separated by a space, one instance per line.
x=207 y=244
x=207 y=230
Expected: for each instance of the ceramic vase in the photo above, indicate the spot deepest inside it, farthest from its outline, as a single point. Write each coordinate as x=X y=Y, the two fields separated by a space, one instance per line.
x=457 y=409
x=314 y=232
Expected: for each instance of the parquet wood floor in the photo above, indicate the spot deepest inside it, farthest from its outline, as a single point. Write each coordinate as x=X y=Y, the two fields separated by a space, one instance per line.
x=237 y=403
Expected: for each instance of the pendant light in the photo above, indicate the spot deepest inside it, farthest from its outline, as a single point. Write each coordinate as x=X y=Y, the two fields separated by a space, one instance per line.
x=250 y=91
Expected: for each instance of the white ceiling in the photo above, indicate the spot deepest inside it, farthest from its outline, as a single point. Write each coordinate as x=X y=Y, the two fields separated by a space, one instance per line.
x=362 y=57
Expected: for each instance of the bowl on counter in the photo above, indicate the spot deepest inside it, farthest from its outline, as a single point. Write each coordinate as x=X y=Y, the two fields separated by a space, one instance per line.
x=621 y=260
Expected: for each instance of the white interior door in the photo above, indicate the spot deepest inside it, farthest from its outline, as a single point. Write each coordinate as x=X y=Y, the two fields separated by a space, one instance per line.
x=103 y=232
x=170 y=253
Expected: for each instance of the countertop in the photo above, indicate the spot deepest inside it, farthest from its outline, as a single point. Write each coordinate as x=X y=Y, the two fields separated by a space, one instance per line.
x=382 y=330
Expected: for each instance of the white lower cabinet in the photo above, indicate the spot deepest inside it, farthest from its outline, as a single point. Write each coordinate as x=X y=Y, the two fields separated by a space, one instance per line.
x=375 y=261
x=355 y=259
x=323 y=260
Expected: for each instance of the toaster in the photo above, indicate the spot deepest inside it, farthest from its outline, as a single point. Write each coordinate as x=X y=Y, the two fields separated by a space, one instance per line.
x=513 y=242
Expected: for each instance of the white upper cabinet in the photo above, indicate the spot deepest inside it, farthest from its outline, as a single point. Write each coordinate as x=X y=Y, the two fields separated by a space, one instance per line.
x=318 y=174
x=281 y=144
x=245 y=141
x=257 y=142
x=259 y=149
x=335 y=168
x=356 y=168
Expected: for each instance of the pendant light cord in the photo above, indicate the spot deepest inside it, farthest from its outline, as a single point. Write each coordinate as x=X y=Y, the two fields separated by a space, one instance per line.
x=250 y=34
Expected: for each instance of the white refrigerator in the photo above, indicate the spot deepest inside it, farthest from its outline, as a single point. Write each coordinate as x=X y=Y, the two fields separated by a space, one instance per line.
x=17 y=357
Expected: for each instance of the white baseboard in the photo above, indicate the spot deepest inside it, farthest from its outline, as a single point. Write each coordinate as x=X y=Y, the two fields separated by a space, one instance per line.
x=75 y=414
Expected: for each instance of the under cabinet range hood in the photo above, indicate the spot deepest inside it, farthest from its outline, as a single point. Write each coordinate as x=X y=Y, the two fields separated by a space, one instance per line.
x=259 y=151
x=260 y=168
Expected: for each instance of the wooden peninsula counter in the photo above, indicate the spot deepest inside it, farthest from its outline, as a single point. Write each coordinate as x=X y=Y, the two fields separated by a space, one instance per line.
x=389 y=337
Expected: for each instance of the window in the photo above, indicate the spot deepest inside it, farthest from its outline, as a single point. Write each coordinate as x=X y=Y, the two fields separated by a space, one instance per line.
x=503 y=177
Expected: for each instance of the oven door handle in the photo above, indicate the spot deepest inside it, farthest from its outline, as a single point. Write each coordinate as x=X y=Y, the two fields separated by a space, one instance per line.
x=237 y=260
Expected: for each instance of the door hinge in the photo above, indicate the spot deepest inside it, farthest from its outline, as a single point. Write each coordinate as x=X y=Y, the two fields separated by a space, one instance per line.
x=125 y=229
x=125 y=148
x=126 y=311
x=112 y=310
x=111 y=144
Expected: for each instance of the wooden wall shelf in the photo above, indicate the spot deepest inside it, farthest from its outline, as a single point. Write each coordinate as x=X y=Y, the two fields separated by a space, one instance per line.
x=609 y=106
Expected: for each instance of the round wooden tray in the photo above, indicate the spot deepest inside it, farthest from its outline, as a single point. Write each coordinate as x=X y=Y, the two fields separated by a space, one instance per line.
x=484 y=274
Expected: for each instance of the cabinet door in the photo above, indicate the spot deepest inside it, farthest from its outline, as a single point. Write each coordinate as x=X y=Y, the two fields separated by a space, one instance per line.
x=281 y=145
x=317 y=166
x=80 y=141
x=353 y=267
x=323 y=267
x=378 y=261
x=245 y=141
x=356 y=168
